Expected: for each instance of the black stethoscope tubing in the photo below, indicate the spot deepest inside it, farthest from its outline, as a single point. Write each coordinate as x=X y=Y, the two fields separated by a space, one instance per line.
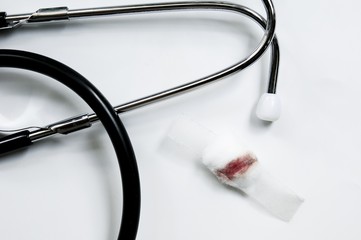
x=112 y=124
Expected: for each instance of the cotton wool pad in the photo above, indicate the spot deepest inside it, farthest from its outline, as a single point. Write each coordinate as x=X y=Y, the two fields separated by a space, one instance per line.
x=235 y=165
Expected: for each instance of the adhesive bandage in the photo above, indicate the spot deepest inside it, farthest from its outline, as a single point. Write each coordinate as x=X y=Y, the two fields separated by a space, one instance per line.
x=235 y=165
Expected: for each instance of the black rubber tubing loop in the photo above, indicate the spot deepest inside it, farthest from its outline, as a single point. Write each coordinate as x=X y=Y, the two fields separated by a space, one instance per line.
x=110 y=120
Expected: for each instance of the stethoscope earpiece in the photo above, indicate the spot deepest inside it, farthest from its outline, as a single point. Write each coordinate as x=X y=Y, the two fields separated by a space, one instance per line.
x=269 y=107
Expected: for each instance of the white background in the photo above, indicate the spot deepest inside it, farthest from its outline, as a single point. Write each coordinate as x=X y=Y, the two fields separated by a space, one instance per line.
x=68 y=187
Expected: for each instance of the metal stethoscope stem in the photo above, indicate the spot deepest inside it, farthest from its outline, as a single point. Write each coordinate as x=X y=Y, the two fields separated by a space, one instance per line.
x=86 y=120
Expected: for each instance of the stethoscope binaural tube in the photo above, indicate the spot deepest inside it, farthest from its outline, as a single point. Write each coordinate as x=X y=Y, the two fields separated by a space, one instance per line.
x=63 y=13
x=106 y=114
x=268 y=107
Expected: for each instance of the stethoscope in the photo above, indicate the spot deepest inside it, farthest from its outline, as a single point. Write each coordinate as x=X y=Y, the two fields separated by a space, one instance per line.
x=268 y=107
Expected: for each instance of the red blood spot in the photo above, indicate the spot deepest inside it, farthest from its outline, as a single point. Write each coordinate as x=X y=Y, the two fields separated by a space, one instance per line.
x=237 y=167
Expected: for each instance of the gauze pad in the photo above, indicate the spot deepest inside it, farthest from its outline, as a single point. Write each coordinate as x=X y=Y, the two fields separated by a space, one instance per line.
x=235 y=165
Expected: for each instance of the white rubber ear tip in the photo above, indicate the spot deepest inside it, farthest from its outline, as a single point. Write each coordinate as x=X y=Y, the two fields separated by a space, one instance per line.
x=269 y=107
